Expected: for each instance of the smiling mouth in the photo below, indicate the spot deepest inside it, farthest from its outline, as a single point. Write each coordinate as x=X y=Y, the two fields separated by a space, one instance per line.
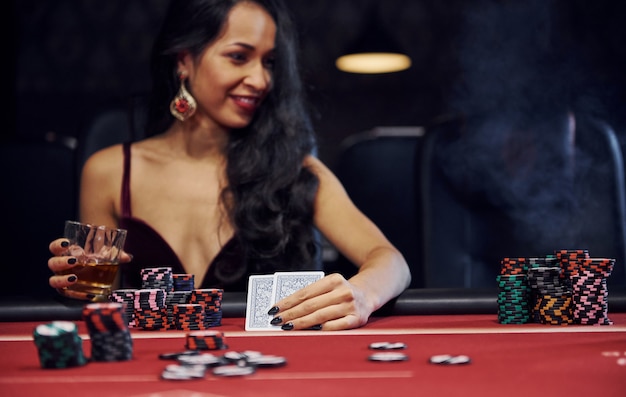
x=247 y=102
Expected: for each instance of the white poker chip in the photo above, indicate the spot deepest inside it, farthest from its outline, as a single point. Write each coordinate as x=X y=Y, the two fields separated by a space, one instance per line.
x=206 y=359
x=234 y=356
x=251 y=353
x=447 y=359
x=183 y=372
x=387 y=346
x=388 y=356
x=233 y=370
x=267 y=360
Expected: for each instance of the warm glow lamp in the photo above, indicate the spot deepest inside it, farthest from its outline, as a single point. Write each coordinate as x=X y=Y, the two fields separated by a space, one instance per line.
x=373 y=52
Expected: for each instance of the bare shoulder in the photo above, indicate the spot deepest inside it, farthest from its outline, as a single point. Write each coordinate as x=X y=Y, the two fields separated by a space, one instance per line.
x=104 y=161
x=327 y=179
x=317 y=166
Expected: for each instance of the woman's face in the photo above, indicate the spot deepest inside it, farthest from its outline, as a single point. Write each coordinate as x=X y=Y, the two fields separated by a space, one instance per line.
x=234 y=74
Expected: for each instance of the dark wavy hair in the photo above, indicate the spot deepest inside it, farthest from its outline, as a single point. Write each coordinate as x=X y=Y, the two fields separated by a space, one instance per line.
x=270 y=194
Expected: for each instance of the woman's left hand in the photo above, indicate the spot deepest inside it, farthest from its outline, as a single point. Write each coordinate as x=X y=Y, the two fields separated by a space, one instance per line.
x=332 y=303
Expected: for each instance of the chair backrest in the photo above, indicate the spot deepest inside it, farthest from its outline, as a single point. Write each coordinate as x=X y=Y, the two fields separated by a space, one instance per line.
x=40 y=194
x=500 y=186
x=113 y=126
x=377 y=170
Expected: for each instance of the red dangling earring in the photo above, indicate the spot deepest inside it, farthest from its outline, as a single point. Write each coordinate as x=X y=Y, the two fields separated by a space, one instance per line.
x=183 y=105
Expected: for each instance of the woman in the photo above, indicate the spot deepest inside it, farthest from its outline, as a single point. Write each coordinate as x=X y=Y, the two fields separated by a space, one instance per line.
x=226 y=185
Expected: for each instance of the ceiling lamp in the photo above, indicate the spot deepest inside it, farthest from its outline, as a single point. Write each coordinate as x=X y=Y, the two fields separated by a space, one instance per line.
x=373 y=52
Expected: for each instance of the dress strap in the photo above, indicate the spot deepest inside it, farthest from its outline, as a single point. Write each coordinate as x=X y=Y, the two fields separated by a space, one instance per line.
x=125 y=199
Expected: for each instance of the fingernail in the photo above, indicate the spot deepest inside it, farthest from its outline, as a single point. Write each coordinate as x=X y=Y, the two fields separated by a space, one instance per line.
x=273 y=310
x=317 y=327
x=276 y=320
x=65 y=244
x=71 y=261
x=287 y=327
x=90 y=296
x=71 y=279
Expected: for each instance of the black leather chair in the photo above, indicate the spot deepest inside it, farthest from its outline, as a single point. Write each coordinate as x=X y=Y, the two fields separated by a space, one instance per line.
x=377 y=169
x=495 y=186
x=39 y=195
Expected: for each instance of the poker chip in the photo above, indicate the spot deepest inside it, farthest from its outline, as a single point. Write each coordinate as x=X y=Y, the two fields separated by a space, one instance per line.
x=193 y=364
x=387 y=346
x=265 y=361
x=206 y=359
x=205 y=340
x=447 y=359
x=59 y=345
x=176 y=355
x=388 y=356
x=108 y=330
x=183 y=372
x=233 y=370
x=569 y=287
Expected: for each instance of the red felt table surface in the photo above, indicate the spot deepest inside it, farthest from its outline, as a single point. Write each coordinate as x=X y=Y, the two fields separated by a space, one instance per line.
x=507 y=360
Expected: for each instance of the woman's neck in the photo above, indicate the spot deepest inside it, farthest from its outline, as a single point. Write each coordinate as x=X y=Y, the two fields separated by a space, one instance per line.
x=197 y=143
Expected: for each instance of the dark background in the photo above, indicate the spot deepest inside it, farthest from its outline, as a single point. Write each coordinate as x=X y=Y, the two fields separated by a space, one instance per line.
x=71 y=59
x=67 y=61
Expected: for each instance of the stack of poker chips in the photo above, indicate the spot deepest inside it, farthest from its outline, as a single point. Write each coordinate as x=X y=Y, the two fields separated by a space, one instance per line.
x=566 y=288
x=569 y=261
x=172 y=300
x=513 y=292
x=150 y=310
x=169 y=301
x=157 y=278
x=108 y=331
x=205 y=340
x=553 y=300
x=59 y=345
x=189 y=316
x=127 y=298
x=590 y=291
x=211 y=299
x=183 y=282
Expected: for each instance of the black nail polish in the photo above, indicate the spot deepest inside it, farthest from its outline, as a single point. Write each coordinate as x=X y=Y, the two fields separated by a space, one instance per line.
x=65 y=244
x=90 y=296
x=276 y=320
x=71 y=261
x=273 y=310
x=317 y=327
x=71 y=279
x=287 y=327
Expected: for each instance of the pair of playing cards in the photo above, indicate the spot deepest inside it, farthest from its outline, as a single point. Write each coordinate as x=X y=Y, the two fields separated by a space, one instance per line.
x=267 y=289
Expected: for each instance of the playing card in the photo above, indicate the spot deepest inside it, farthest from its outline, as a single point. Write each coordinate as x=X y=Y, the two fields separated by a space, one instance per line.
x=286 y=283
x=260 y=290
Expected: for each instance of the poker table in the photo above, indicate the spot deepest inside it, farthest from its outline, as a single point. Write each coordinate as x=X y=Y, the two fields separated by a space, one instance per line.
x=506 y=359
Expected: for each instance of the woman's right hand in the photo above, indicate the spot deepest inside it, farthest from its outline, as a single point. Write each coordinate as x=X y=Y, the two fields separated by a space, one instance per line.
x=63 y=260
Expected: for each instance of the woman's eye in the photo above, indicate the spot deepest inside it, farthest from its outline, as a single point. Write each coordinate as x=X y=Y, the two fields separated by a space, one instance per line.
x=237 y=56
x=270 y=63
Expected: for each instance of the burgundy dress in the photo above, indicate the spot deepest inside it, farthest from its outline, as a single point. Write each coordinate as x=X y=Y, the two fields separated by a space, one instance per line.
x=227 y=271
